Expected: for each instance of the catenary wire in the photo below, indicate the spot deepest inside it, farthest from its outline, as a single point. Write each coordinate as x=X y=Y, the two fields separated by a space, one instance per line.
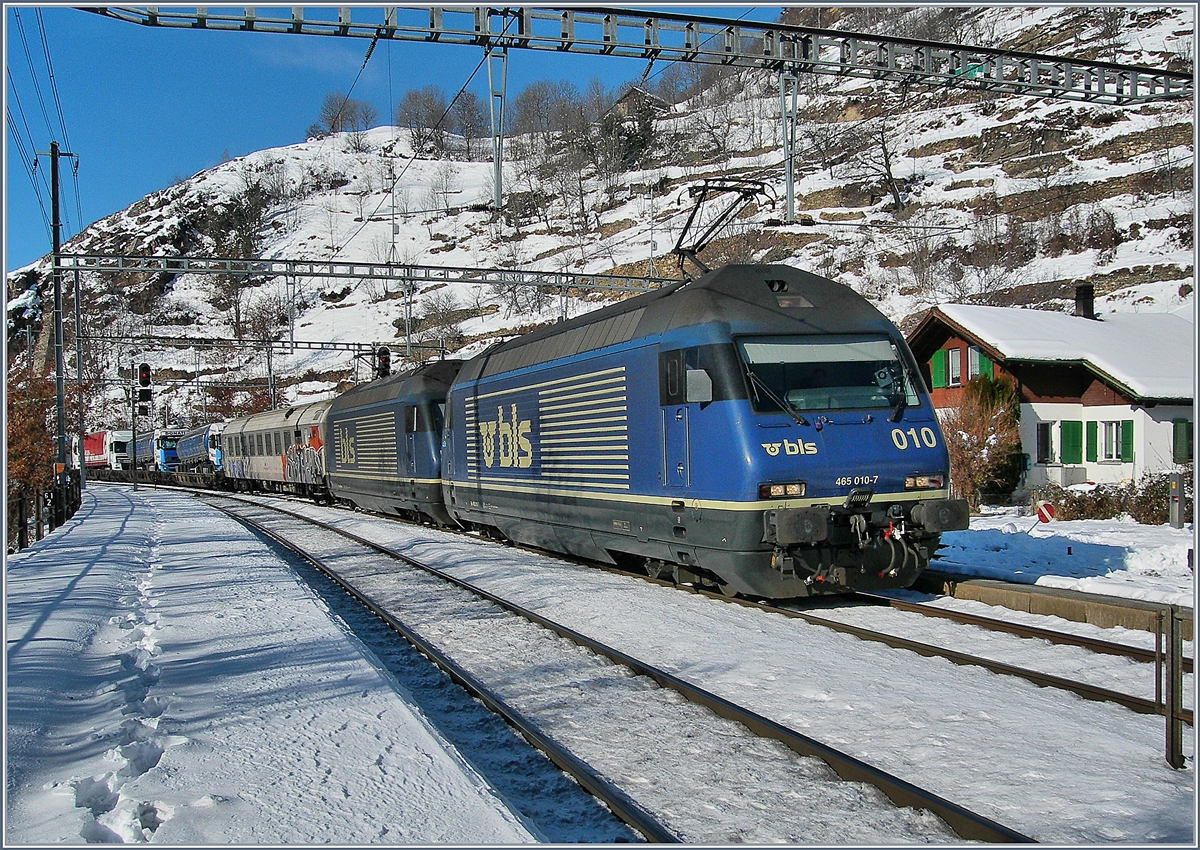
x=26 y=157
x=436 y=125
x=61 y=117
x=32 y=72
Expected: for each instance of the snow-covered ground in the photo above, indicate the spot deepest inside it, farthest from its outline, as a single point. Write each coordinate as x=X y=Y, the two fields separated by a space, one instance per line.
x=150 y=698
x=1117 y=557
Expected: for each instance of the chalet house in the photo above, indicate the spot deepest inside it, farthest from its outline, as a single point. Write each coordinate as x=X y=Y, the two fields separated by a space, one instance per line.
x=1103 y=399
x=637 y=98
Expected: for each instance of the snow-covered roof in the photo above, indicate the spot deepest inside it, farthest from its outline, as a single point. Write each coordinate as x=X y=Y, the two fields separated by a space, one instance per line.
x=1150 y=354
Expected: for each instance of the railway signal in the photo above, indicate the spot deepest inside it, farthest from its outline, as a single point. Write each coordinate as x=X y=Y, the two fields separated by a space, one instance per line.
x=143 y=393
x=383 y=361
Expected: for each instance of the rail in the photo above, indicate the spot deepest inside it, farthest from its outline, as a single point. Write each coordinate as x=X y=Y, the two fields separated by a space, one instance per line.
x=967 y=824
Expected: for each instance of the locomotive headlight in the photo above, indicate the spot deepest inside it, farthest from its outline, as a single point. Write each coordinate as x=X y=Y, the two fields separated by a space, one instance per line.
x=793 y=490
x=931 y=481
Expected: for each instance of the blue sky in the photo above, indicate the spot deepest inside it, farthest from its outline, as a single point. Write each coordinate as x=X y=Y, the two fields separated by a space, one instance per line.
x=144 y=105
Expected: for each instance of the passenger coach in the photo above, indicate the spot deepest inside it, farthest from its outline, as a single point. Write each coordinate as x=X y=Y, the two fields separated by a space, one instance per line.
x=760 y=429
x=282 y=450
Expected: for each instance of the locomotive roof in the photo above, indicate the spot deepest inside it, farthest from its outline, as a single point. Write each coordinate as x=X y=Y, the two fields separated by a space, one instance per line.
x=767 y=299
x=427 y=375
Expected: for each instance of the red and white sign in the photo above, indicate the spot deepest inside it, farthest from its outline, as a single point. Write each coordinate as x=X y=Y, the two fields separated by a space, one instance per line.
x=1045 y=511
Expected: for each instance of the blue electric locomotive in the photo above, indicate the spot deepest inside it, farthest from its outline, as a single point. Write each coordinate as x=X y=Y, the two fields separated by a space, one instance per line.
x=384 y=448
x=760 y=429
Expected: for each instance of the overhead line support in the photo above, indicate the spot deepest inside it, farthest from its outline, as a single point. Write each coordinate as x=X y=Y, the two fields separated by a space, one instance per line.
x=113 y=263
x=714 y=41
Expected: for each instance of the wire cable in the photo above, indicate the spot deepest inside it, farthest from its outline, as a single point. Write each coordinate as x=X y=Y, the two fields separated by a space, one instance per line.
x=33 y=73
x=437 y=124
x=26 y=157
x=30 y=154
x=50 y=71
x=61 y=118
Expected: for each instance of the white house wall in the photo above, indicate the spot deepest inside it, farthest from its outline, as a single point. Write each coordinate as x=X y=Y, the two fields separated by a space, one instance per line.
x=1152 y=442
x=1156 y=442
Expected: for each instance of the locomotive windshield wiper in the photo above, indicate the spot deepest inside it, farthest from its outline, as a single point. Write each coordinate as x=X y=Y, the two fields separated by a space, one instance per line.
x=786 y=408
x=901 y=403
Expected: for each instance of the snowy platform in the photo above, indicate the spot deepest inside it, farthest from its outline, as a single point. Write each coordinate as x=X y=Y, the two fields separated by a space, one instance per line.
x=156 y=692
x=1102 y=611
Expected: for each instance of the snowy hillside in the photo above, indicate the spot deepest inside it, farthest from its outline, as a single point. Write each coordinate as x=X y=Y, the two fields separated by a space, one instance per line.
x=1002 y=200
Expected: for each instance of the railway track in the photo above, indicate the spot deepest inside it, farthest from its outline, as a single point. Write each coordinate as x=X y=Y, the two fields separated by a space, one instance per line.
x=401 y=602
x=1092 y=692
x=1138 y=704
x=1141 y=705
x=1104 y=647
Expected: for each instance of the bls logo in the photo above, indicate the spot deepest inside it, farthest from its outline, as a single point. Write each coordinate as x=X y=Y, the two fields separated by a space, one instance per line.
x=515 y=448
x=799 y=447
x=345 y=446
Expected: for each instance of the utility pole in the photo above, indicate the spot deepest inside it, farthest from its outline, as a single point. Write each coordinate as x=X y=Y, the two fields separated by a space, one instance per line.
x=79 y=381
x=59 y=515
x=497 y=64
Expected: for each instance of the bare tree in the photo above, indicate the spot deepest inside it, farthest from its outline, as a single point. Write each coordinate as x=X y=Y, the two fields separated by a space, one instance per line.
x=340 y=114
x=441 y=318
x=983 y=439
x=543 y=108
x=422 y=112
x=869 y=147
x=470 y=120
x=1110 y=21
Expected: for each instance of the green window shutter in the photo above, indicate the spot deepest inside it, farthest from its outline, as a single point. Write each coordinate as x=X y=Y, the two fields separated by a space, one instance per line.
x=937 y=369
x=985 y=365
x=1071 y=437
x=1127 y=441
x=1093 y=441
x=1181 y=445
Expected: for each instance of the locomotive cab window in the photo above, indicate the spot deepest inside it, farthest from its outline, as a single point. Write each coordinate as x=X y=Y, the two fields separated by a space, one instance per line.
x=846 y=372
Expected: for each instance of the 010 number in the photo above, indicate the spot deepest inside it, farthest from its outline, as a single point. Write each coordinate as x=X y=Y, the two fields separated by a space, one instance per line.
x=926 y=437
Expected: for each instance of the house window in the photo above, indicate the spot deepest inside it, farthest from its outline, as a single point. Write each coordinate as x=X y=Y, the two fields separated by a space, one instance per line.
x=1110 y=443
x=954 y=366
x=1181 y=444
x=1045 y=442
x=978 y=363
x=1070 y=442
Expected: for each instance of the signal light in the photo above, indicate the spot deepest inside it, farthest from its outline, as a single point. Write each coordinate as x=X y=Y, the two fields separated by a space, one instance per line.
x=143 y=374
x=143 y=394
x=143 y=410
x=383 y=361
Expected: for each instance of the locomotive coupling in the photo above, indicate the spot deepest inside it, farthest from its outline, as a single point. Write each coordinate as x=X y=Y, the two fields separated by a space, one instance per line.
x=939 y=515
